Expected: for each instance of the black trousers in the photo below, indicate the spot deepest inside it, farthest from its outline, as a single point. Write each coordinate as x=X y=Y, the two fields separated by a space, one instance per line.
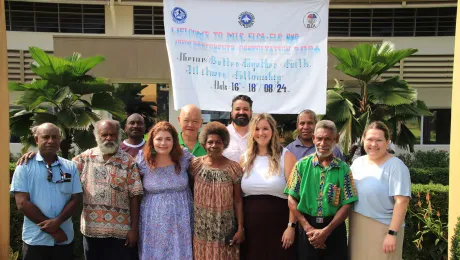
x=57 y=252
x=336 y=243
x=108 y=249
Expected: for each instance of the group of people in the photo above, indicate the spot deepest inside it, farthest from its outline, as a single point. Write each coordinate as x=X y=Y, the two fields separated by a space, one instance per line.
x=225 y=192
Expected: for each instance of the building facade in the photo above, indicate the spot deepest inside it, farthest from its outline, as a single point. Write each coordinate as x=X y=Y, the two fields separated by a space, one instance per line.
x=130 y=35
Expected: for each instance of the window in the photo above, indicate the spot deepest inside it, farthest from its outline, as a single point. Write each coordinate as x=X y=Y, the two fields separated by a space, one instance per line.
x=50 y=17
x=432 y=129
x=392 y=22
x=436 y=128
x=148 y=20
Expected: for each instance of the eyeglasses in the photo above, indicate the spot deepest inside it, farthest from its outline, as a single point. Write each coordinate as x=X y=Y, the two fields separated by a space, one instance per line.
x=65 y=177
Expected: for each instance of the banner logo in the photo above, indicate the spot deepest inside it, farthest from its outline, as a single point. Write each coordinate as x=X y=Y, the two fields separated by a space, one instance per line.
x=246 y=19
x=311 y=20
x=179 y=15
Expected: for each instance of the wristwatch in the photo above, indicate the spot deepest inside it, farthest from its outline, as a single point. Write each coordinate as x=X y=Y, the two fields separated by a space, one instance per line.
x=290 y=224
x=392 y=232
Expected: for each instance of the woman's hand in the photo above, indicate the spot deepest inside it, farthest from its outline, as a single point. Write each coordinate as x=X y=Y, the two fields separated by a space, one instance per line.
x=288 y=237
x=238 y=238
x=389 y=244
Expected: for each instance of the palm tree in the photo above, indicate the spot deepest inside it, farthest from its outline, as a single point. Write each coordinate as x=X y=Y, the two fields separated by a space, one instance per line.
x=66 y=96
x=129 y=93
x=392 y=101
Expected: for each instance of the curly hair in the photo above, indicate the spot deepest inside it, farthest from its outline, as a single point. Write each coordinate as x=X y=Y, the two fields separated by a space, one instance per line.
x=214 y=128
x=274 y=146
x=176 y=152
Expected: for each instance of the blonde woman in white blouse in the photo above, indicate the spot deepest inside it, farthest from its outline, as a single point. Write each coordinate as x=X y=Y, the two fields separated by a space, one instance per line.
x=269 y=226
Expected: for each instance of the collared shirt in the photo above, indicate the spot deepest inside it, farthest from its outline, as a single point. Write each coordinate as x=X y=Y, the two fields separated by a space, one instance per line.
x=321 y=191
x=238 y=144
x=107 y=189
x=49 y=197
x=132 y=149
x=198 y=150
x=300 y=150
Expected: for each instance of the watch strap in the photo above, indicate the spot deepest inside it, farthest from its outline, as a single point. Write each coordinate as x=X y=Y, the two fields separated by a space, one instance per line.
x=392 y=232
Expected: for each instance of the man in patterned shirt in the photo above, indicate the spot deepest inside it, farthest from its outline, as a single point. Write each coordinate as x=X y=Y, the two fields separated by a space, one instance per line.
x=111 y=189
x=321 y=192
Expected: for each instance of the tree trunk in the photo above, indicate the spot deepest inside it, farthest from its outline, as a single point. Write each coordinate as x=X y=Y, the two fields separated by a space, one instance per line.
x=66 y=144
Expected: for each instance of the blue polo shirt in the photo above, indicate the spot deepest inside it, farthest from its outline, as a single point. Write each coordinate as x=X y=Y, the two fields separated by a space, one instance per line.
x=49 y=197
x=300 y=150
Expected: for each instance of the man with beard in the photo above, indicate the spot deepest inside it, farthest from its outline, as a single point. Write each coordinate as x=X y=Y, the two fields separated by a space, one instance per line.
x=239 y=128
x=47 y=192
x=321 y=191
x=135 y=129
x=111 y=190
x=303 y=145
x=190 y=122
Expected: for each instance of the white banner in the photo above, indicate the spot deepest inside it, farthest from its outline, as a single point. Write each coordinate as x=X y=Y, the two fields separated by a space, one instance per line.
x=274 y=52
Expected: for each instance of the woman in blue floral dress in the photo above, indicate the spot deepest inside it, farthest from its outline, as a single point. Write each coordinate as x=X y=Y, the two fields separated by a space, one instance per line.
x=166 y=216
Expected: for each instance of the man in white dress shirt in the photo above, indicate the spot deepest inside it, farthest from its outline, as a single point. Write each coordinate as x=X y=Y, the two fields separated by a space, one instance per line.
x=239 y=128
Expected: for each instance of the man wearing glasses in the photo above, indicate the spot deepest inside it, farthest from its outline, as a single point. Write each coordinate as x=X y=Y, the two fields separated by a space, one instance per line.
x=47 y=191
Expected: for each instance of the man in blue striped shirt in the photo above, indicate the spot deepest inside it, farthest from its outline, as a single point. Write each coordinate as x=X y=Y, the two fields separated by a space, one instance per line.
x=47 y=191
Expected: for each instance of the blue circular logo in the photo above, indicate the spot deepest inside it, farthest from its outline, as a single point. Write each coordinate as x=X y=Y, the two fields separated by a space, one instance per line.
x=246 y=19
x=179 y=15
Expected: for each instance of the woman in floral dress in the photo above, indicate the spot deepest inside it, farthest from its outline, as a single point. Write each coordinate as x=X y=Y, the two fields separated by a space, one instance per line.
x=218 y=207
x=166 y=218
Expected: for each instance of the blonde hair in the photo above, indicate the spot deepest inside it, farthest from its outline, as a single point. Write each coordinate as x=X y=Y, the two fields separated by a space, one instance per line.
x=274 y=148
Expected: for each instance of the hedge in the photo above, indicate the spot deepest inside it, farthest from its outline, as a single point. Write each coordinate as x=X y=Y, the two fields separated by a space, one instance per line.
x=440 y=200
x=455 y=249
x=438 y=175
x=12 y=168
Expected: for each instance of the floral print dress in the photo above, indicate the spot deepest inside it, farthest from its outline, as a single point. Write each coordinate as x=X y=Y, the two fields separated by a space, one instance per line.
x=213 y=210
x=166 y=217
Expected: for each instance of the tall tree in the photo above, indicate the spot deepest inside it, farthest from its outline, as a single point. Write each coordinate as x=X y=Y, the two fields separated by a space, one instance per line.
x=130 y=94
x=66 y=95
x=392 y=101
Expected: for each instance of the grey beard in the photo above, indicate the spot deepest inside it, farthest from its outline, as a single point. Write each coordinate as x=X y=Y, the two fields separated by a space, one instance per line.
x=108 y=149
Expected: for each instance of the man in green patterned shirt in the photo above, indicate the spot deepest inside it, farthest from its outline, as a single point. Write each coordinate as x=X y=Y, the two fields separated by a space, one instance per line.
x=321 y=191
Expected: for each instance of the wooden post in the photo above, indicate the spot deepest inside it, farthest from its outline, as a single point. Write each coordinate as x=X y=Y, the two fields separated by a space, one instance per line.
x=4 y=141
x=454 y=176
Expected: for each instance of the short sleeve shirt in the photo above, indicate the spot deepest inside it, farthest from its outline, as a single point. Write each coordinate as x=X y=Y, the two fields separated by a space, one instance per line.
x=377 y=186
x=198 y=150
x=321 y=191
x=108 y=187
x=237 y=146
x=300 y=150
x=49 y=197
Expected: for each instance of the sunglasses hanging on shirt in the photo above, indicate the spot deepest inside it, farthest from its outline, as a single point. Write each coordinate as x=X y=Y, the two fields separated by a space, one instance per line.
x=65 y=177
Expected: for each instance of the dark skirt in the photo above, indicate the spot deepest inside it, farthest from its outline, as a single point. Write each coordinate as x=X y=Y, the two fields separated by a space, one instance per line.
x=265 y=220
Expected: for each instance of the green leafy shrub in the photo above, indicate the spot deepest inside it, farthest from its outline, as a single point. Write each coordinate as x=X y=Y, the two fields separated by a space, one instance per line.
x=439 y=197
x=426 y=159
x=455 y=249
x=12 y=168
x=430 y=226
x=429 y=175
x=13 y=255
x=16 y=220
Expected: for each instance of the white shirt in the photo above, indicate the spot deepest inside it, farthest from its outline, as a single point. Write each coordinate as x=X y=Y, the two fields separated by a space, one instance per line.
x=238 y=144
x=259 y=182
